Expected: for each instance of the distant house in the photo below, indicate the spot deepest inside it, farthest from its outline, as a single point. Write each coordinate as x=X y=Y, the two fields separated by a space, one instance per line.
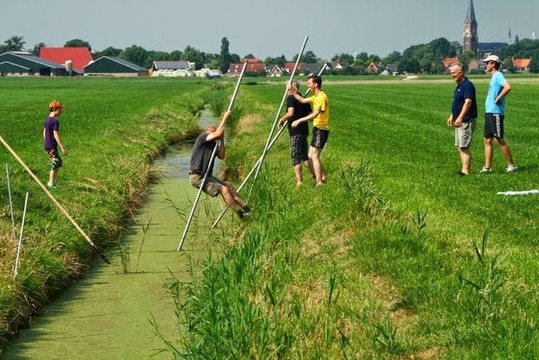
x=485 y=48
x=173 y=65
x=449 y=60
x=372 y=68
x=335 y=65
x=114 y=66
x=522 y=65
x=17 y=63
x=180 y=68
x=275 y=70
x=78 y=56
x=289 y=67
x=252 y=67
x=250 y=60
x=310 y=69
x=393 y=69
x=475 y=65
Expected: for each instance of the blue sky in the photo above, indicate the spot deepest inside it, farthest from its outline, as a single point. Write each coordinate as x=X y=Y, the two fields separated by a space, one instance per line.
x=263 y=28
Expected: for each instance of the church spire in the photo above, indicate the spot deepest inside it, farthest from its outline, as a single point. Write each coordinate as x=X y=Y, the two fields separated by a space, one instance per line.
x=470 y=39
x=470 y=15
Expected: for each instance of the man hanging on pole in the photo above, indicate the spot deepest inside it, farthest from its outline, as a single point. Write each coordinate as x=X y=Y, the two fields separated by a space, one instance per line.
x=202 y=162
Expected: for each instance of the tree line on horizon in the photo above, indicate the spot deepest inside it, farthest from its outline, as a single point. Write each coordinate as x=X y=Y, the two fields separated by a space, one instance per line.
x=422 y=58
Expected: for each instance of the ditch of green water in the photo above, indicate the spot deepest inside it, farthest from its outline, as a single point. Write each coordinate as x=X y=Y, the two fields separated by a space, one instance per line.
x=108 y=314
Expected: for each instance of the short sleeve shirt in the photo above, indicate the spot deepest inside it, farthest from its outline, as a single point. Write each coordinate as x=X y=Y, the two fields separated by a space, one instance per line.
x=320 y=102
x=464 y=90
x=201 y=155
x=494 y=88
x=300 y=110
x=51 y=125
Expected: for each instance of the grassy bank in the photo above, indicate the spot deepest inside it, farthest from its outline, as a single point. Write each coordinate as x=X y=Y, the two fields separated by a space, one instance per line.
x=395 y=256
x=112 y=128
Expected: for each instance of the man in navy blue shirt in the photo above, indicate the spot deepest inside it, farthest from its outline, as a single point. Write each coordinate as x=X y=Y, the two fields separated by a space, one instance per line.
x=463 y=116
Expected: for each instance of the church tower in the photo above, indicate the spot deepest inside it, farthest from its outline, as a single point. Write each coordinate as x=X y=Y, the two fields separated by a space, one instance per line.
x=470 y=30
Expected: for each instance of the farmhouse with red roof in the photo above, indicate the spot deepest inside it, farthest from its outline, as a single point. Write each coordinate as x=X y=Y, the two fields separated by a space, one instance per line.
x=79 y=56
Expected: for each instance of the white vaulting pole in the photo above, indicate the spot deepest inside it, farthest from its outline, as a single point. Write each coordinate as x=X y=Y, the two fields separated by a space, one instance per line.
x=64 y=211
x=19 y=245
x=212 y=159
x=248 y=176
x=266 y=147
x=261 y=158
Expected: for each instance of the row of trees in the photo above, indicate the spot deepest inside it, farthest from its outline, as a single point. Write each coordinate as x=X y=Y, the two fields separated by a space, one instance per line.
x=423 y=58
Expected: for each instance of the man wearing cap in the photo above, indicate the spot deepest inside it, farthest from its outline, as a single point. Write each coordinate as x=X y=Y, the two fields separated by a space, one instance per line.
x=494 y=114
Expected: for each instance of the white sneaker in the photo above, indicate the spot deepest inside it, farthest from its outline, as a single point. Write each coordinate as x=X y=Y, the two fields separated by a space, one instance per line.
x=511 y=168
x=485 y=170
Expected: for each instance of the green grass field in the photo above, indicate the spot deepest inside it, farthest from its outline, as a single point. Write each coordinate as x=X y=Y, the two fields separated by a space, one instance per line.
x=395 y=256
x=112 y=129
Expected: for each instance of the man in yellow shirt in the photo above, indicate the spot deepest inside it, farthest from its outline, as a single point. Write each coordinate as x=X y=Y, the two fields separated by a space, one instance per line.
x=320 y=117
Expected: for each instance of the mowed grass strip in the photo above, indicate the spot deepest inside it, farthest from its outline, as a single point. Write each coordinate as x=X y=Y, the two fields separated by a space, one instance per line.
x=396 y=255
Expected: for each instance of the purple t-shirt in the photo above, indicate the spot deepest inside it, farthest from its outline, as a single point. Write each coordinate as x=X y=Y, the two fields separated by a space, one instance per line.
x=51 y=125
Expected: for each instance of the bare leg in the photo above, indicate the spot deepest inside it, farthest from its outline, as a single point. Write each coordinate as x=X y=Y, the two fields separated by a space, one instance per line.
x=299 y=176
x=488 y=152
x=314 y=155
x=465 y=159
x=232 y=198
x=309 y=165
x=505 y=150
x=52 y=176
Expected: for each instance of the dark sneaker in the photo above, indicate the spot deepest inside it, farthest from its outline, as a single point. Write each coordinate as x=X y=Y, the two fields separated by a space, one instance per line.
x=240 y=213
x=246 y=210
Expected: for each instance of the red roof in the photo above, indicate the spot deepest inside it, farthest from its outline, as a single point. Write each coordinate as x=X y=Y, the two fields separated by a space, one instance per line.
x=235 y=69
x=522 y=63
x=450 y=60
x=250 y=60
x=80 y=56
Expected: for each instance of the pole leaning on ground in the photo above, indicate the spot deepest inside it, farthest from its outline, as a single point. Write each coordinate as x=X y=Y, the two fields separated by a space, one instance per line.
x=212 y=159
x=266 y=147
x=260 y=159
x=62 y=209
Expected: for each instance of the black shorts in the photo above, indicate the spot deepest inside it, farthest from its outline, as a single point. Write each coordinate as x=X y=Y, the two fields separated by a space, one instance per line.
x=493 y=126
x=54 y=158
x=299 y=149
x=320 y=137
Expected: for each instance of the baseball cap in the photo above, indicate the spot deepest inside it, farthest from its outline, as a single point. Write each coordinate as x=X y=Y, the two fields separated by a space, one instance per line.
x=494 y=58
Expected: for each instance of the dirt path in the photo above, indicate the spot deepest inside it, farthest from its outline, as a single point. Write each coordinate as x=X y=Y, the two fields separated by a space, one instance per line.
x=106 y=315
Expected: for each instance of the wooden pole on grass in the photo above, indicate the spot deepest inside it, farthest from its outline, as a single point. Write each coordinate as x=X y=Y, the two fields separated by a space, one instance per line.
x=62 y=209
